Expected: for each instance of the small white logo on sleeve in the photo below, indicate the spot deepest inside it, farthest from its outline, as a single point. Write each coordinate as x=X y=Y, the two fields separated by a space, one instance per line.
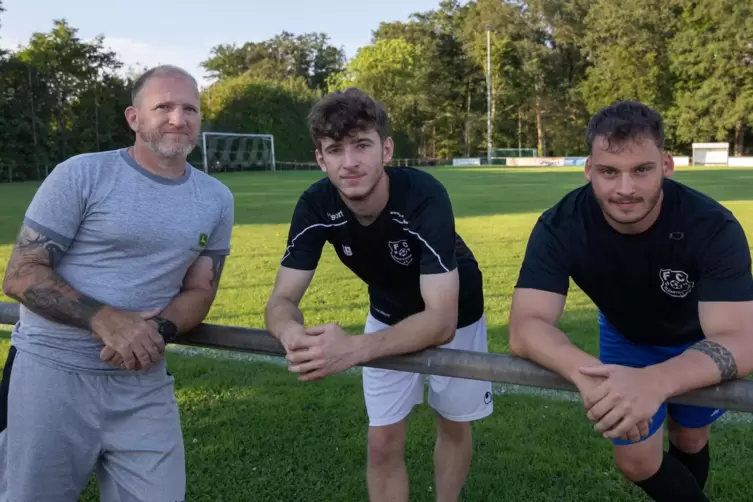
x=400 y=252
x=347 y=251
x=675 y=283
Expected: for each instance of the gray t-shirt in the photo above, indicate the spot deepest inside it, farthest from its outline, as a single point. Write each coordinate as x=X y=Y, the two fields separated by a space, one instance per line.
x=132 y=237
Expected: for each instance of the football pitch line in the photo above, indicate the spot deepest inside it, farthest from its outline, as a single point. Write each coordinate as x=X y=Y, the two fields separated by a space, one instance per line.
x=499 y=389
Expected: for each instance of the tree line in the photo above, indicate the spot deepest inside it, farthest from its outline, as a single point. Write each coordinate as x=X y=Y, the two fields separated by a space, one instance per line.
x=553 y=64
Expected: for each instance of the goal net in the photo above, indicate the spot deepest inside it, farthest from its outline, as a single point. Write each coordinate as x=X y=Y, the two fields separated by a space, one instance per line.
x=227 y=151
x=710 y=154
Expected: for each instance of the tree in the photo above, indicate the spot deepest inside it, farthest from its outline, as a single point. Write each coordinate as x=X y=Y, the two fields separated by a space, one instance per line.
x=60 y=96
x=537 y=68
x=285 y=56
x=250 y=104
x=391 y=71
x=553 y=63
x=419 y=137
x=560 y=112
x=21 y=133
x=507 y=89
x=712 y=57
x=448 y=101
x=2 y=9
x=627 y=45
x=228 y=60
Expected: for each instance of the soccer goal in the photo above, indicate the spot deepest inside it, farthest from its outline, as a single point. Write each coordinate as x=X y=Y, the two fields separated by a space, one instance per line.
x=229 y=151
x=710 y=154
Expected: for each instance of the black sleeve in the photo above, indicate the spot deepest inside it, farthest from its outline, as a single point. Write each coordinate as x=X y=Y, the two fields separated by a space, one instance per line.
x=725 y=267
x=545 y=264
x=306 y=237
x=433 y=223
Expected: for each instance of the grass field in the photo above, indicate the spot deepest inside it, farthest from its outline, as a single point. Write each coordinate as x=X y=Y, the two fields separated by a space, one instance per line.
x=252 y=432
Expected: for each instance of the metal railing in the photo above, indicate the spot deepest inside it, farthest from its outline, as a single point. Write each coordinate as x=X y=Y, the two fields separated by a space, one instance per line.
x=502 y=368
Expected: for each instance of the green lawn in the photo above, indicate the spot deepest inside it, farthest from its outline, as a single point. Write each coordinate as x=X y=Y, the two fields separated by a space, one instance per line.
x=253 y=432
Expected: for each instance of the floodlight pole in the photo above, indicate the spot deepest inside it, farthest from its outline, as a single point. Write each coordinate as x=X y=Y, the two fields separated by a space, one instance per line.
x=488 y=94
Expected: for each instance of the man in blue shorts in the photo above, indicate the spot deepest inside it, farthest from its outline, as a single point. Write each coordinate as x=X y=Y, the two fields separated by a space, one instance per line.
x=669 y=269
x=119 y=253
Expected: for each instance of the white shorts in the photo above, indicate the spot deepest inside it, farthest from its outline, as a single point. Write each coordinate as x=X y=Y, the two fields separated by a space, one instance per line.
x=390 y=395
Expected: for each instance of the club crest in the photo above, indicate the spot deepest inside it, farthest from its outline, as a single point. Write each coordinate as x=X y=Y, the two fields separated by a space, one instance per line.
x=675 y=283
x=400 y=252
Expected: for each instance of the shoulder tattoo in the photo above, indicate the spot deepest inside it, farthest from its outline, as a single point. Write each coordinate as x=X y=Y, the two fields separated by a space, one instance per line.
x=30 y=240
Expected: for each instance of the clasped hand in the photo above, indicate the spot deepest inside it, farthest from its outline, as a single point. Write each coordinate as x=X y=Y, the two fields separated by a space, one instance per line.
x=624 y=402
x=131 y=341
x=319 y=351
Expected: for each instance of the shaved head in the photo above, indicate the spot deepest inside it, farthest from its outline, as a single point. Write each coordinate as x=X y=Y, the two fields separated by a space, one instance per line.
x=158 y=71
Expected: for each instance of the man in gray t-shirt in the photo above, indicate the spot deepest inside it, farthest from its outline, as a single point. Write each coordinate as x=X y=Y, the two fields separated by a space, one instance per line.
x=117 y=251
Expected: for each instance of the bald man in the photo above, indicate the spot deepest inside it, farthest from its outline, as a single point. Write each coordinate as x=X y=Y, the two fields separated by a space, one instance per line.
x=119 y=253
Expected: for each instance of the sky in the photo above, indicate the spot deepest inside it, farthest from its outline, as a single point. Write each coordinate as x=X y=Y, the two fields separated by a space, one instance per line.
x=150 y=32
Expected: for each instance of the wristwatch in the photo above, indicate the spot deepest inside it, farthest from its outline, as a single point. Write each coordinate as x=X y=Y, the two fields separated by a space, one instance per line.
x=166 y=328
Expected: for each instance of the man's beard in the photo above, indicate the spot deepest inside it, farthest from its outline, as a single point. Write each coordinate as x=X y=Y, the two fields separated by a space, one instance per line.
x=652 y=201
x=154 y=141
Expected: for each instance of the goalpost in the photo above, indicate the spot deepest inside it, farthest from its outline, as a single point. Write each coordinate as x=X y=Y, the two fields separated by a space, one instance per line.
x=229 y=151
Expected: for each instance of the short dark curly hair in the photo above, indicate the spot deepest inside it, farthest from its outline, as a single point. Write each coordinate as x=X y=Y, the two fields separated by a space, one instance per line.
x=344 y=113
x=625 y=121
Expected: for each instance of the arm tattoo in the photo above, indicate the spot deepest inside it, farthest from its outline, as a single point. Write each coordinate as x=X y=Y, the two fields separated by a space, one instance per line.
x=218 y=264
x=36 y=285
x=54 y=299
x=33 y=241
x=720 y=355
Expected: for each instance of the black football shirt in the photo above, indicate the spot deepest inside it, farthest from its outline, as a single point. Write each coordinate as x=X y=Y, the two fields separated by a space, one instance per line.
x=413 y=235
x=647 y=285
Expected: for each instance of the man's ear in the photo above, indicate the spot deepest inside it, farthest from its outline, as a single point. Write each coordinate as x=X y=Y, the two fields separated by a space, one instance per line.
x=668 y=165
x=132 y=118
x=388 y=150
x=587 y=171
x=320 y=160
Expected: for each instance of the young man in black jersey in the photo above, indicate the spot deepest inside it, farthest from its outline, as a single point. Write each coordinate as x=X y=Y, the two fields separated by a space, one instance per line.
x=395 y=229
x=669 y=269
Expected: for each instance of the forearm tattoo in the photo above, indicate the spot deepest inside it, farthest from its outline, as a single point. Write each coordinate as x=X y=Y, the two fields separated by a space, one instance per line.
x=720 y=355
x=36 y=285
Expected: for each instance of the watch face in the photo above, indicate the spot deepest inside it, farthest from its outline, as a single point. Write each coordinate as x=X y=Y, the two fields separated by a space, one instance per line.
x=167 y=329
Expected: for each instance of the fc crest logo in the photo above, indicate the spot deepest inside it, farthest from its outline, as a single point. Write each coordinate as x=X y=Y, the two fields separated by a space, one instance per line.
x=675 y=283
x=400 y=252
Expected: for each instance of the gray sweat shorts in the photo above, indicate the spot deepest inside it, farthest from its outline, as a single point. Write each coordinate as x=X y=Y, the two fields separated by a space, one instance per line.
x=57 y=427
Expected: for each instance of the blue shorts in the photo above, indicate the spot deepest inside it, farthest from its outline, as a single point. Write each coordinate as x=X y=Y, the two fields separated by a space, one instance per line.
x=616 y=349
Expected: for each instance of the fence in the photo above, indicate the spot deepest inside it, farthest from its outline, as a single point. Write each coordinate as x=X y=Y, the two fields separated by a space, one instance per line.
x=310 y=165
x=502 y=368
